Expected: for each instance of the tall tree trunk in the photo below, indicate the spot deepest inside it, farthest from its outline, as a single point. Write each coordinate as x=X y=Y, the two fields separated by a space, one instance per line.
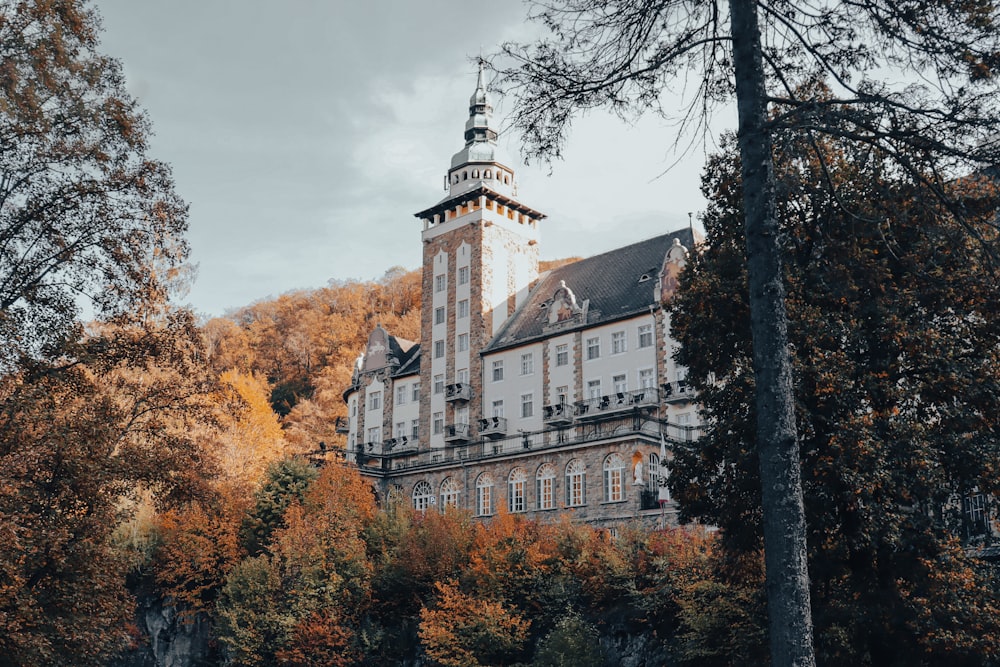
x=789 y=612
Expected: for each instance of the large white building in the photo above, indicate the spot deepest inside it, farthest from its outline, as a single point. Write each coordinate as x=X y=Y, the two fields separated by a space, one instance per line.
x=537 y=393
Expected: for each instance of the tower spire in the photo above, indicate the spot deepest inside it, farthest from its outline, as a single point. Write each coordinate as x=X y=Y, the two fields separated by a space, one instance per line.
x=480 y=136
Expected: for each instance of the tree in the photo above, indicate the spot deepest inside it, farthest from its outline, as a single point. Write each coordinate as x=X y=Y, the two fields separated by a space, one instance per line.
x=77 y=444
x=623 y=55
x=895 y=332
x=85 y=214
x=463 y=630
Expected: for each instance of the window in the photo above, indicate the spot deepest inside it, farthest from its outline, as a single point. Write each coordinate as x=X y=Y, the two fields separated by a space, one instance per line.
x=415 y=394
x=516 y=482
x=576 y=483
x=527 y=405
x=646 y=335
x=449 y=493
x=438 y=349
x=647 y=379
x=463 y=342
x=593 y=389
x=439 y=315
x=462 y=376
x=415 y=429
x=484 y=495
x=438 y=423
x=684 y=420
x=974 y=505
x=618 y=342
x=498 y=408
x=400 y=395
x=354 y=407
x=463 y=275
x=498 y=370
x=593 y=348
x=375 y=434
x=423 y=496
x=439 y=283
x=438 y=384
x=562 y=355
x=545 y=486
x=400 y=430
x=562 y=394
x=621 y=383
x=463 y=308
x=375 y=400
x=527 y=364
x=658 y=476
x=614 y=478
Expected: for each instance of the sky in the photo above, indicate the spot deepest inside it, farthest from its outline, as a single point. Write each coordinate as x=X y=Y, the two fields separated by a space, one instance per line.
x=304 y=134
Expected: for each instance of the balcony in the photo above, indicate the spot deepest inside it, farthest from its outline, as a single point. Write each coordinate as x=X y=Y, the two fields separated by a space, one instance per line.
x=455 y=433
x=342 y=425
x=460 y=391
x=397 y=445
x=677 y=392
x=618 y=402
x=493 y=427
x=559 y=414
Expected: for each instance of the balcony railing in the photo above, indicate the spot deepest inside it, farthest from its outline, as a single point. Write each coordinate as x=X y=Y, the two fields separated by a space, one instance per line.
x=621 y=426
x=401 y=443
x=456 y=433
x=558 y=414
x=342 y=425
x=619 y=401
x=493 y=427
x=460 y=391
x=676 y=392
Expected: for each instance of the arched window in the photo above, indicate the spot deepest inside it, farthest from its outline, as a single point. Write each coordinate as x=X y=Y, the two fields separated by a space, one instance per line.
x=449 y=493
x=475 y=173
x=614 y=478
x=423 y=496
x=465 y=175
x=545 y=486
x=484 y=495
x=653 y=472
x=489 y=173
x=576 y=483
x=516 y=483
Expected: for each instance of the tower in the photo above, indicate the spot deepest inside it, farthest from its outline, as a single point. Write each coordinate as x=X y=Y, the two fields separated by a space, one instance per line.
x=480 y=256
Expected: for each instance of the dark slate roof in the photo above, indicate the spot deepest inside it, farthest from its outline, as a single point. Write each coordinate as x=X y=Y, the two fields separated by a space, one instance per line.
x=610 y=281
x=409 y=364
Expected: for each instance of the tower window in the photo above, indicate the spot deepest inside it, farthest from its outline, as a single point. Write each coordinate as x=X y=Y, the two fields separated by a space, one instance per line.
x=463 y=342
x=463 y=275
x=438 y=349
x=439 y=282
x=463 y=308
x=439 y=315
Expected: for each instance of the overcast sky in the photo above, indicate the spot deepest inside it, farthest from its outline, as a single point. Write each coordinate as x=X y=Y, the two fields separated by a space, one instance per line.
x=305 y=134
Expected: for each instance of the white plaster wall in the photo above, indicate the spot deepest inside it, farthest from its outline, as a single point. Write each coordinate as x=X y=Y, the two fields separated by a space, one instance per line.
x=515 y=385
x=561 y=376
x=609 y=365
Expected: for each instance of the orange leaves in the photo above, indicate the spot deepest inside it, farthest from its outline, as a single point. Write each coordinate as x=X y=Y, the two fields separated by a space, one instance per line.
x=463 y=630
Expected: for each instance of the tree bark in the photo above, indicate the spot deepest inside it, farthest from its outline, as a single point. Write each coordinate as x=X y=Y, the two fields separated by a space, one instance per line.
x=784 y=524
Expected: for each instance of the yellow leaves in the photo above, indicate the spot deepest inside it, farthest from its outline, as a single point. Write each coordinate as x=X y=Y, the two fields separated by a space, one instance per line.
x=249 y=437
